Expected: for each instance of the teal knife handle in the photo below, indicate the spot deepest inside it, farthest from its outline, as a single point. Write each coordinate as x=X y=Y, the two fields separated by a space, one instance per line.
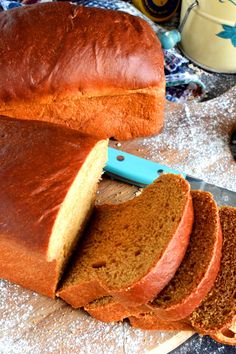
x=134 y=168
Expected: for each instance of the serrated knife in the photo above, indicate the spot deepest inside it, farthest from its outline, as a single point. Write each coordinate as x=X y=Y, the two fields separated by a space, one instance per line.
x=141 y=172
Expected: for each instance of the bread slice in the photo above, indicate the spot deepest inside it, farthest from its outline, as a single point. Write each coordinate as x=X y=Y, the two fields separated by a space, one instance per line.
x=105 y=80
x=48 y=176
x=149 y=321
x=217 y=313
x=193 y=279
x=132 y=250
x=197 y=273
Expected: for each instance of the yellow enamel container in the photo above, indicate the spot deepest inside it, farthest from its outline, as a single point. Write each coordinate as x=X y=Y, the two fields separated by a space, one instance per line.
x=208 y=31
x=157 y=10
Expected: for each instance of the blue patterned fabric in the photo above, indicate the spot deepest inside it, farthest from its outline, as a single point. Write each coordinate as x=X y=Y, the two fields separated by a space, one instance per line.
x=182 y=84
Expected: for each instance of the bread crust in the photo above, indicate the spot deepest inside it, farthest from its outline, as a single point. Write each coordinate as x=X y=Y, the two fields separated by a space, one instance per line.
x=39 y=162
x=187 y=305
x=226 y=335
x=27 y=268
x=122 y=117
x=57 y=65
x=152 y=322
x=113 y=311
x=220 y=338
x=34 y=178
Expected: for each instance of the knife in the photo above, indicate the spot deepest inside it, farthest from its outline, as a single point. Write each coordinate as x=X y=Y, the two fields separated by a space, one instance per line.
x=141 y=172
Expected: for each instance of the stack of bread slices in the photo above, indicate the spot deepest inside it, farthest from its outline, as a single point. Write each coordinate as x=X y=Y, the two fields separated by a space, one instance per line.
x=165 y=259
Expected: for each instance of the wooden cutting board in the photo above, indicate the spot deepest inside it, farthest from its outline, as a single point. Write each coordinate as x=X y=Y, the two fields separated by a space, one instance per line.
x=195 y=139
x=33 y=324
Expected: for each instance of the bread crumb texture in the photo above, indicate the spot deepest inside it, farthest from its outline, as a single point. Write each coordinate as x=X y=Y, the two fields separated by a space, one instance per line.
x=218 y=310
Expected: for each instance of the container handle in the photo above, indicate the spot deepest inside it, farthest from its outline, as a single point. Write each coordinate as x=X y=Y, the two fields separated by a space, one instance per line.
x=189 y=9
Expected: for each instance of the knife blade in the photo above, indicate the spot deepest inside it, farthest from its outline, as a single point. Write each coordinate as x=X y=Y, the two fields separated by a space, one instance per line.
x=141 y=172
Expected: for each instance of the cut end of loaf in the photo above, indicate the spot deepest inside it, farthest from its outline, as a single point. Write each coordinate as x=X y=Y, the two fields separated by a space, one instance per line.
x=48 y=186
x=77 y=206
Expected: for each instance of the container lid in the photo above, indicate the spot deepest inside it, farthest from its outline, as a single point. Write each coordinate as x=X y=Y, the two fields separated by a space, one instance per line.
x=221 y=10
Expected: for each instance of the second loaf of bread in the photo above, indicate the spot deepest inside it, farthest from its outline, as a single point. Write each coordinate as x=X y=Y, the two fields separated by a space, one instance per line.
x=94 y=70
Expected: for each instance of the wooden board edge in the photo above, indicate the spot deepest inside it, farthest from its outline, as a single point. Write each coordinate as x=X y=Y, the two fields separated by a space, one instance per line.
x=172 y=343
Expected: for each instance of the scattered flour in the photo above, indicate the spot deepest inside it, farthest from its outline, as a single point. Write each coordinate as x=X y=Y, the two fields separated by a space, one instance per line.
x=30 y=323
x=195 y=140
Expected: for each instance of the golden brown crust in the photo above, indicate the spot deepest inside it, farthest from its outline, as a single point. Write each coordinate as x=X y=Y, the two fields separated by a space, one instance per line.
x=58 y=65
x=109 y=309
x=226 y=335
x=29 y=269
x=121 y=116
x=39 y=162
x=59 y=47
x=220 y=338
x=151 y=322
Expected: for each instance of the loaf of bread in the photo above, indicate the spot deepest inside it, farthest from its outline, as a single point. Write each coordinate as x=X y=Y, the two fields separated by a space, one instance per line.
x=132 y=250
x=48 y=176
x=192 y=281
x=97 y=71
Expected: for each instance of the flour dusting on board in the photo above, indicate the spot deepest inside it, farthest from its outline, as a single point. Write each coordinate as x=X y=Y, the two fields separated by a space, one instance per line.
x=30 y=323
x=195 y=140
